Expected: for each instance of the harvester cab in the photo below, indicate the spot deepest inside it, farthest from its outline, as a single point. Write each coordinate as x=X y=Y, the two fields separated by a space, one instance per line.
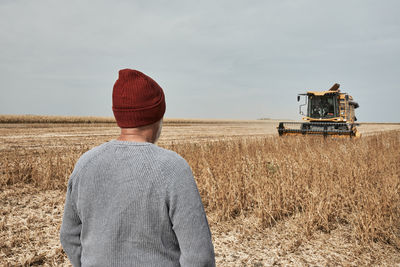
x=327 y=113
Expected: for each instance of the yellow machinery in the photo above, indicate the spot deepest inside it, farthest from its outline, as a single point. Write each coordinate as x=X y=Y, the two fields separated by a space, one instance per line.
x=328 y=113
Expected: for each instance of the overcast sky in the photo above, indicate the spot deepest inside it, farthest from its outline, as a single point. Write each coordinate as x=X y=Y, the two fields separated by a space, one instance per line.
x=214 y=59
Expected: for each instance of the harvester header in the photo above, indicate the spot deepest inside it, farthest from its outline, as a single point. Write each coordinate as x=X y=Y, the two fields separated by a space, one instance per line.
x=325 y=113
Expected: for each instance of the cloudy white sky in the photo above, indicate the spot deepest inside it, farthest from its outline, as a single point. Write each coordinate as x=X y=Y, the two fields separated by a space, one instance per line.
x=214 y=59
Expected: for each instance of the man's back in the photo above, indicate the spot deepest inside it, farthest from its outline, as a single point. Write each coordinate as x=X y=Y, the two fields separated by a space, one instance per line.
x=135 y=204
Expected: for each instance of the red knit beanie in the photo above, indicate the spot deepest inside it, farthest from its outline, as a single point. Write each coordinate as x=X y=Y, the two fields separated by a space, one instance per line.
x=137 y=99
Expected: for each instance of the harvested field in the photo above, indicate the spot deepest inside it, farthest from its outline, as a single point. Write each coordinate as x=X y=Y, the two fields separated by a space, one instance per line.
x=43 y=135
x=270 y=201
x=29 y=135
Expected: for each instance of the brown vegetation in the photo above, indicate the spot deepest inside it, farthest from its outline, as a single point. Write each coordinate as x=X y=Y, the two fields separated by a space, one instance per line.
x=329 y=181
x=40 y=119
x=53 y=119
x=323 y=183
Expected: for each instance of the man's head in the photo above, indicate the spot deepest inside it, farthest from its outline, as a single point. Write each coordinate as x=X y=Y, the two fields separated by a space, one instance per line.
x=138 y=102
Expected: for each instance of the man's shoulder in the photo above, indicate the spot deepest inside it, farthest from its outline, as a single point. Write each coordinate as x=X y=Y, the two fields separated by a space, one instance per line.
x=89 y=156
x=175 y=169
x=172 y=165
x=169 y=157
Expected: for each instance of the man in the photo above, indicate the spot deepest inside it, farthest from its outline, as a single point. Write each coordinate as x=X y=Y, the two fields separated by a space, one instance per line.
x=130 y=202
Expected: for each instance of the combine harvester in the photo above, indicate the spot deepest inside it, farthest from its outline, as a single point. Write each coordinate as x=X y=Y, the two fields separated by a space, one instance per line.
x=329 y=113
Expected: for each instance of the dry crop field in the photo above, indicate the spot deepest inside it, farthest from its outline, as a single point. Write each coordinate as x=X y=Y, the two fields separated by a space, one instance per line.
x=270 y=201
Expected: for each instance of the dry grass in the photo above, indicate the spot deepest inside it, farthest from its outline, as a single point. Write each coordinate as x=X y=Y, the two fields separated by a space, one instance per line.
x=29 y=118
x=53 y=119
x=322 y=185
x=327 y=182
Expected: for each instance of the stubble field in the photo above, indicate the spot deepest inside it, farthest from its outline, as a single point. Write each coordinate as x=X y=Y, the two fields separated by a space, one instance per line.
x=269 y=200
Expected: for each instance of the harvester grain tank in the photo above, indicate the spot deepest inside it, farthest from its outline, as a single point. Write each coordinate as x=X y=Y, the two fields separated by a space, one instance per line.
x=327 y=113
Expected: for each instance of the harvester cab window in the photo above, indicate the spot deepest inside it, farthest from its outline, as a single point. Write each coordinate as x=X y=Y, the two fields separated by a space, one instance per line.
x=331 y=107
x=321 y=106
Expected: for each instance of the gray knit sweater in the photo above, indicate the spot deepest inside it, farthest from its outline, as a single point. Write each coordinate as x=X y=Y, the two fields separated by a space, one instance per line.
x=134 y=204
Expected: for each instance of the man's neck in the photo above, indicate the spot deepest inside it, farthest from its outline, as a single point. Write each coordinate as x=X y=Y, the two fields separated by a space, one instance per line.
x=133 y=138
